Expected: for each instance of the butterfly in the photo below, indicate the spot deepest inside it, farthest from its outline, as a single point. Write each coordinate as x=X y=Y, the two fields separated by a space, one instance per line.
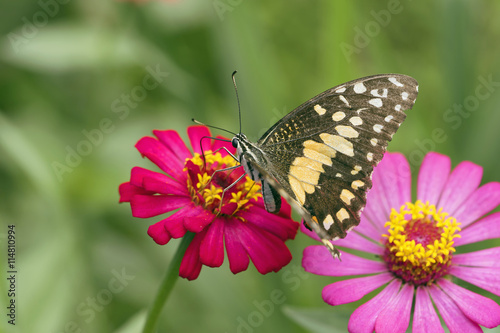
x=320 y=157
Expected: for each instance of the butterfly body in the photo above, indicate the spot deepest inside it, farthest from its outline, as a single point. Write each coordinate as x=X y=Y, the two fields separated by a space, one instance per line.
x=320 y=156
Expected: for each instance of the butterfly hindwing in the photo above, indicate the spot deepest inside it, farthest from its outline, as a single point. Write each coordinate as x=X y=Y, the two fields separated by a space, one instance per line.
x=322 y=153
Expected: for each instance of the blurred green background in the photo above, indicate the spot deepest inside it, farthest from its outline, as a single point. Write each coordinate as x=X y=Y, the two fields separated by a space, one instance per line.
x=72 y=67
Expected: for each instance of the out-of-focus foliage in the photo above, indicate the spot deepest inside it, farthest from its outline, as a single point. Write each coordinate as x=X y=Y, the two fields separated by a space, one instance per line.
x=82 y=81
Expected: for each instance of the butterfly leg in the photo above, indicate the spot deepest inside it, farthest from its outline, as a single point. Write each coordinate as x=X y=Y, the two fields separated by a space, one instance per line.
x=228 y=188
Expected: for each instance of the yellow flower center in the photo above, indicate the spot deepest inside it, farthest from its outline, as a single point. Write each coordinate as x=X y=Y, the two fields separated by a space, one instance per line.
x=419 y=242
x=206 y=186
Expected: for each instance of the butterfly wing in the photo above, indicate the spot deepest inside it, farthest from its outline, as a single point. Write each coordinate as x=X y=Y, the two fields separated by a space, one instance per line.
x=322 y=153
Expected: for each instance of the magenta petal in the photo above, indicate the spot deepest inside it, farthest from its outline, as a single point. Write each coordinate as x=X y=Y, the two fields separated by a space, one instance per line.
x=284 y=228
x=363 y=318
x=212 y=246
x=191 y=265
x=267 y=252
x=127 y=191
x=236 y=253
x=395 y=316
x=158 y=233
x=425 y=318
x=451 y=314
x=351 y=290
x=477 y=308
x=318 y=260
x=219 y=144
x=432 y=177
x=156 y=182
x=197 y=218
x=391 y=187
x=462 y=182
x=482 y=258
x=196 y=133
x=152 y=205
x=353 y=241
x=487 y=278
x=369 y=229
x=157 y=153
x=486 y=228
x=481 y=202
x=174 y=224
x=174 y=143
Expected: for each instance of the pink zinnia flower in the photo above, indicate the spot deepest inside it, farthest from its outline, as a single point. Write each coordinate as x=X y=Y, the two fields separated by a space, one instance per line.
x=189 y=185
x=414 y=246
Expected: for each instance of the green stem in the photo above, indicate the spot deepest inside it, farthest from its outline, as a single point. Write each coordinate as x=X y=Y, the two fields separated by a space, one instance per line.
x=167 y=285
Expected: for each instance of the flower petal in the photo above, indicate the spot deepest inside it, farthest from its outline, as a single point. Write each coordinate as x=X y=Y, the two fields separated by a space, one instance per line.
x=369 y=229
x=487 y=278
x=482 y=201
x=155 y=182
x=219 y=144
x=353 y=241
x=351 y=290
x=363 y=318
x=267 y=251
x=486 y=228
x=197 y=218
x=212 y=246
x=395 y=316
x=432 y=177
x=127 y=191
x=152 y=205
x=391 y=189
x=196 y=133
x=191 y=265
x=158 y=232
x=425 y=318
x=451 y=314
x=172 y=140
x=236 y=253
x=318 y=260
x=477 y=308
x=462 y=182
x=482 y=258
x=157 y=153
x=284 y=228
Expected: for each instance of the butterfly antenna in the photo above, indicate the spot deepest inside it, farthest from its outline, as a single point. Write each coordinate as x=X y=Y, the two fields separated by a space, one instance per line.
x=222 y=129
x=237 y=97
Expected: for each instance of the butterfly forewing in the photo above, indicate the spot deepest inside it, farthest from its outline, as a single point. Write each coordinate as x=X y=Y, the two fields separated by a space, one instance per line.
x=322 y=153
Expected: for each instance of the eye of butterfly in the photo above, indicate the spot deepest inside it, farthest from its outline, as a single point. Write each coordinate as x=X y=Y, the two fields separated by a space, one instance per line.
x=320 y=157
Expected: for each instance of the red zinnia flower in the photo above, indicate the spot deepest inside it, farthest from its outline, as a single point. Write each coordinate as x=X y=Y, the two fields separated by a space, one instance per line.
x=415 y=245
x=192 y=186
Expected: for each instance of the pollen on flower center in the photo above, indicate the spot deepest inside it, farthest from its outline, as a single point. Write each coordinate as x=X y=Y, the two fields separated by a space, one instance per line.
x=419 y=244
x=206 y=183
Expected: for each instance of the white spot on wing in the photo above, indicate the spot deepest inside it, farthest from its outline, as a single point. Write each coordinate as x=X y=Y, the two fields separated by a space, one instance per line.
x=340 y=90
x=395 y=82
x=338 y=116
x=338 y=143
x=374 y=142
x=376 y=102
x=378 y=128
x=347 y=131
x=397 y=107
x=388 y=118
x=342 y=98
x=377 y=93
x=321 y=111
x=359 y=88
x=369 y=157
x=404 y=95
x=342 y=214
x=356 y=121
x=327 y=223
